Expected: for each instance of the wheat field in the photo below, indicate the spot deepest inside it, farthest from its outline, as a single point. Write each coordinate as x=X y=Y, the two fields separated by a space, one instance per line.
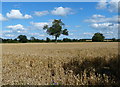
x=82 y=63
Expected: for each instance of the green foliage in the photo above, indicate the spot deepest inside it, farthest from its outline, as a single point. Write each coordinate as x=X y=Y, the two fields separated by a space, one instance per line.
x=56 y=29
x=114 y=40
x=65 y=32
x=98 y=37
x=0 y=40
x=47 y=39
x=66 y=40
x=9 y=41
x=22 y=38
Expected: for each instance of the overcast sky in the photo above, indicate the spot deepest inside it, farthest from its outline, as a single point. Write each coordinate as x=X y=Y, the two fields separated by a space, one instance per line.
x=82 y=19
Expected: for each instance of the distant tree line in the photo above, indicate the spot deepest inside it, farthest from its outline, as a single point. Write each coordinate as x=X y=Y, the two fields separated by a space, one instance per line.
x=98 y=37
x=57 y=29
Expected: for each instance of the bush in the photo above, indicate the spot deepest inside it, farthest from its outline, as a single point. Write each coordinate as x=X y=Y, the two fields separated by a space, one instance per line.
x=98 y=37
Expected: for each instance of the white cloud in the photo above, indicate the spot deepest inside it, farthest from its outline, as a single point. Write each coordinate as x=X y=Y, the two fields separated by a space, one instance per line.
x=18 y=29
x=39 y=25
x=37 y=35
x=34 y=34
x=88 y=33
x=42 y=35
x=101 y=18
x=97 y=16
x=15 y=27
x=2 y=18
x=16 y=14
x=81 y=8
x=104 y=26
x=110 y=34
x=61 y=11
x=102 y=4
x=41 y=13
x=111 y=6
x=9 y=35
x=107 y=34
x=27 y=16
x=14 y=31
x=7 y=31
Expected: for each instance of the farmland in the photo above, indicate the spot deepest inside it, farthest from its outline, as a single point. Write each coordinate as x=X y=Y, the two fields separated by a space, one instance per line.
x=60 y=63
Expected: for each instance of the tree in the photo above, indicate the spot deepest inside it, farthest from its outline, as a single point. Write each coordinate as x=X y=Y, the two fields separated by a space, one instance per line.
x=56 y=29
x=47 y=39
x=98 y=37
x=32 y=38
x=0 y=40
x=66 y=40
x=113 y=39
x=22 y=38
x=15 y=39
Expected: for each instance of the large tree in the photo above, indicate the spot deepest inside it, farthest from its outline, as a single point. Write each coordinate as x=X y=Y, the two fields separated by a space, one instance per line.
x=22 y=38
x=98 y=37
x=56 y=29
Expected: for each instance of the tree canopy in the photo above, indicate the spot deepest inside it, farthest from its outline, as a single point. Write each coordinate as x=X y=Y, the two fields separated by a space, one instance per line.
x=98 y=37
x=56 y=29
x=22 y=38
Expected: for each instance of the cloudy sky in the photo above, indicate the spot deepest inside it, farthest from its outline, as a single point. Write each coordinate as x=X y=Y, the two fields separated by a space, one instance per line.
x=82 y=19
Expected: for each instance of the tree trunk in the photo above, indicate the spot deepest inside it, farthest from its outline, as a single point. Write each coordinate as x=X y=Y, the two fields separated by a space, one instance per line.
x=56 y=39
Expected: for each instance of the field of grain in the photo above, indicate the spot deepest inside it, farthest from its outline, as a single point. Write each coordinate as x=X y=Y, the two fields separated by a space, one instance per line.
x=60 y=64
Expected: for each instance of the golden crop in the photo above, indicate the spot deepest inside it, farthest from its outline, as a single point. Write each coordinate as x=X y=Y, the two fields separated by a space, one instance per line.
x=59 y=63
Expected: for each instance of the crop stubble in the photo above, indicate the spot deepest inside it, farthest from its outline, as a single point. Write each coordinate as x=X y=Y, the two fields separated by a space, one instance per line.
x=42 y=63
